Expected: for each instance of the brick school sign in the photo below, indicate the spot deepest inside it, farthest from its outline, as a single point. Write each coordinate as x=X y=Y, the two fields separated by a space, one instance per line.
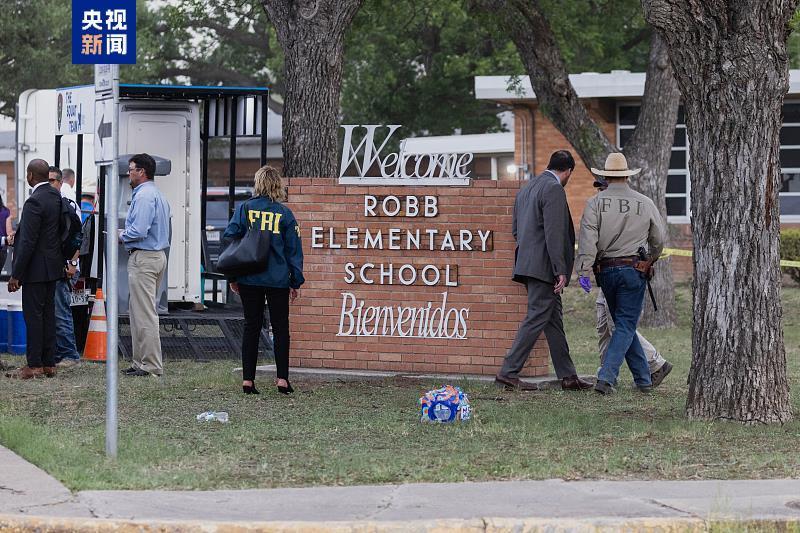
x=410 y=278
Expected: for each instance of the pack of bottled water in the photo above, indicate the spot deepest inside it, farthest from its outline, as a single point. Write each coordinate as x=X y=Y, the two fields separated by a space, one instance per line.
x=446 y=404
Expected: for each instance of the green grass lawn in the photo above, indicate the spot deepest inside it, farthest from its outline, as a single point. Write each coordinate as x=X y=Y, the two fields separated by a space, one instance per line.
x=337 y=433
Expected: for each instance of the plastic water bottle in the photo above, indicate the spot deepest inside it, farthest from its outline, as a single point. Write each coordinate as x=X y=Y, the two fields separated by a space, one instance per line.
x=210 y=416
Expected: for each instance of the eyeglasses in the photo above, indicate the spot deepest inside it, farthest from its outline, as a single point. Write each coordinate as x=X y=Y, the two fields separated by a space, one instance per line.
x=131 y=169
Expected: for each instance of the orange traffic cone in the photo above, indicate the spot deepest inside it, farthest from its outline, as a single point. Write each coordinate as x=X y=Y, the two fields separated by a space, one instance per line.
x=95 y=349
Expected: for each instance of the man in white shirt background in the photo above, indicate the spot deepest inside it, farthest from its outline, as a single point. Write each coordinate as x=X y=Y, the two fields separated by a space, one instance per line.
x=68 y=185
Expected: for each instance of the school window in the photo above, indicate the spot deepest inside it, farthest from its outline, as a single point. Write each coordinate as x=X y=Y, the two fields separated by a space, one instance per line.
x=677 y=195
x=790 y=163
x=678 y=185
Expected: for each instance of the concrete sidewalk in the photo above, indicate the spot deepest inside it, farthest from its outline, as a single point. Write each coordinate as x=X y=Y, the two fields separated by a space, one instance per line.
x=29 y=496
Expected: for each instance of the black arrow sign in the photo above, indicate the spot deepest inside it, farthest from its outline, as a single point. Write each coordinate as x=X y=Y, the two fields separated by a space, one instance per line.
x=103 y=130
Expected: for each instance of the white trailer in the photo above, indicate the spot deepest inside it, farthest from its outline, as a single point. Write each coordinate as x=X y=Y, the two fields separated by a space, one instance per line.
x=166 y=121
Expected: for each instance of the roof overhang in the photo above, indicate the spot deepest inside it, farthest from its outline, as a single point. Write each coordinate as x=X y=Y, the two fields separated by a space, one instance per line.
x=615 y=84
x=186 y=92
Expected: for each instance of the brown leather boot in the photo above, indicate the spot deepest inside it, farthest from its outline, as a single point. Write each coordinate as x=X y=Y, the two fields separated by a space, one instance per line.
x=575 y=383
x=49 y=371
x=26 y=372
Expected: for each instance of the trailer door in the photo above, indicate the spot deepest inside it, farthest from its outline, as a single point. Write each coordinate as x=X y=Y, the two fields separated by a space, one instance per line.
x=167 y=135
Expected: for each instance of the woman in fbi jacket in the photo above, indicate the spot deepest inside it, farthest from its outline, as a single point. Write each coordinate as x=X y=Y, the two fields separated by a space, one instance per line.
x=277 y=284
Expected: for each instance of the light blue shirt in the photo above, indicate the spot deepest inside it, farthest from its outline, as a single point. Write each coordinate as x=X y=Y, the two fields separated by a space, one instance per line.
x=147 y=224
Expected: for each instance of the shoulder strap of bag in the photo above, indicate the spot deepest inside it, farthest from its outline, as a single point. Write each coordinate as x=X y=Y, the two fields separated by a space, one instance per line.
x=243 y=213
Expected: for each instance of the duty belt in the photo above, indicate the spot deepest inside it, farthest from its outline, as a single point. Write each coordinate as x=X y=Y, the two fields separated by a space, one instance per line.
x=618 y=262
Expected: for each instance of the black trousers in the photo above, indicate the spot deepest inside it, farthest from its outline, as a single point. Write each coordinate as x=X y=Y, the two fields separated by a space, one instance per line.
x=39 y=312
x=277 y=300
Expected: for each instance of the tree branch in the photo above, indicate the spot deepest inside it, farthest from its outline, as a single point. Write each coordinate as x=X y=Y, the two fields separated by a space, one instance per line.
x=657 y=117
x=278 y=12
x=234 y=34
x=640 y=36
x=533 y=36
x=344 y=15
x=665 y=15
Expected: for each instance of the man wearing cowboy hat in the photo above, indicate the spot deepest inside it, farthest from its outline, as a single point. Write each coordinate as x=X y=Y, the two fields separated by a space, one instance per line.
x=615 y=224
x=659 y=367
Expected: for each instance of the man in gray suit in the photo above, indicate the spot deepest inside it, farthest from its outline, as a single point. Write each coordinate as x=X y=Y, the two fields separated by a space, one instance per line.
x=544 y=258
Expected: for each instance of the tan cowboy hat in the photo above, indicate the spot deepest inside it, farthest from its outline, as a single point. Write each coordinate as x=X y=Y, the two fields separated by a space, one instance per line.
x=616 y=167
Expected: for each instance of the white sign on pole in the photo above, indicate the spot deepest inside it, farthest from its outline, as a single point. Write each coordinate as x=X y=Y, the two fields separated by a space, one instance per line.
x=74 y=110
x=103 y=124
x=103 y=78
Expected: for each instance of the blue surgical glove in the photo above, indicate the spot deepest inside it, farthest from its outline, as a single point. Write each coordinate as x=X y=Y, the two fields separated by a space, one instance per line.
x=586 y=283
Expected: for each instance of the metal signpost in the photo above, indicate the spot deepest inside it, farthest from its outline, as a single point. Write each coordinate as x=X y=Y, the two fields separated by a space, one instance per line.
x=104 y=35
x=106 y=129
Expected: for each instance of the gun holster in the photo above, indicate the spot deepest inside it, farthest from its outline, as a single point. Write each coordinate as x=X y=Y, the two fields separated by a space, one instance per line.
x=645 y=268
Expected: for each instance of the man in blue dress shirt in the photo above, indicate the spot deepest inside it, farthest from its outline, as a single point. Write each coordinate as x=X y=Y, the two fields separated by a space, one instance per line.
x=146 y=236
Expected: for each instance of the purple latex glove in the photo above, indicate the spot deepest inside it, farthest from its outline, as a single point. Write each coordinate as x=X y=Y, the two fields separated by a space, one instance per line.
x=586 y=283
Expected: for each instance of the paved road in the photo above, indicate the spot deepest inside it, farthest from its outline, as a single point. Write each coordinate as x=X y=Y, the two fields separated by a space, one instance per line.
x=26 y=490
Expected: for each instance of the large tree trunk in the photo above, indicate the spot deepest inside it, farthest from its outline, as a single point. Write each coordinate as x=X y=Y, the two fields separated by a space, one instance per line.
x=651 y=144
x=731 y=65
x=650 y=149
x=311 y=33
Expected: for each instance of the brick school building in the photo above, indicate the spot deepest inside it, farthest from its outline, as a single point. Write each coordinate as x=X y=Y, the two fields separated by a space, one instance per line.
x=613 y=101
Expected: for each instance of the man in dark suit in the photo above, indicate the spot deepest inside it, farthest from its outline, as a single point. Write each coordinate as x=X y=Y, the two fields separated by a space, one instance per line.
x=544 y=257
x=38 y=264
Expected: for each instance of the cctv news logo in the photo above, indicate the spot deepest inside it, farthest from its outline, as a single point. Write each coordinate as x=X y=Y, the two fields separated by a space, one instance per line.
x=104 y=31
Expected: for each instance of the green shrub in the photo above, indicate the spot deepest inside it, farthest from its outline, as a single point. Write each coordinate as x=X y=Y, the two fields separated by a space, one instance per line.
x=790 y=250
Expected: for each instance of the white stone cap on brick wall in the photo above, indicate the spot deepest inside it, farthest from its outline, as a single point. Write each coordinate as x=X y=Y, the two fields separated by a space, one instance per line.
x=483 y=143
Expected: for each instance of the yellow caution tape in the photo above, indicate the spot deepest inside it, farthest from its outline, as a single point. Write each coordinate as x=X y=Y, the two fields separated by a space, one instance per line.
x=675 y=251
x=688 y=253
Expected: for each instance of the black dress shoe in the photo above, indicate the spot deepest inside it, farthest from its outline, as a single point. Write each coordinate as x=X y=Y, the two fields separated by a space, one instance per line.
x=646 y=389
x=288 y=389
x=603 y=387
x=514 y=383
x=138 y=372
x=575 y=383
x=129 y=370
x=658 y=376
x=250 y=389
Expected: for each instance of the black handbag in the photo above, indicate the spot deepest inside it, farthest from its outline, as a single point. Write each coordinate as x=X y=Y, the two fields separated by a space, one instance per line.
x=246 y=255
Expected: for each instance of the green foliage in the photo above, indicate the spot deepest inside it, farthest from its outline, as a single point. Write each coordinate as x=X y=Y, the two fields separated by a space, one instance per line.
x=228 y=42
x=36 y=52
x=793 y=42
x=409 y=62
x=600 y=35
x=413 y=62
x=790 y=250
x=154 y=41
x=35 y=37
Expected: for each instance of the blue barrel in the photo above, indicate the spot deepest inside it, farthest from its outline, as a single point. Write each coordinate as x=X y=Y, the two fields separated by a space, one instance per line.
x=17 y=343
x=3 y=326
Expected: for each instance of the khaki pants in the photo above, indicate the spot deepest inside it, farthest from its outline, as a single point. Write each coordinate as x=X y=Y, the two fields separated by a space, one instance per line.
x=145 y=272
x=605 y=328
